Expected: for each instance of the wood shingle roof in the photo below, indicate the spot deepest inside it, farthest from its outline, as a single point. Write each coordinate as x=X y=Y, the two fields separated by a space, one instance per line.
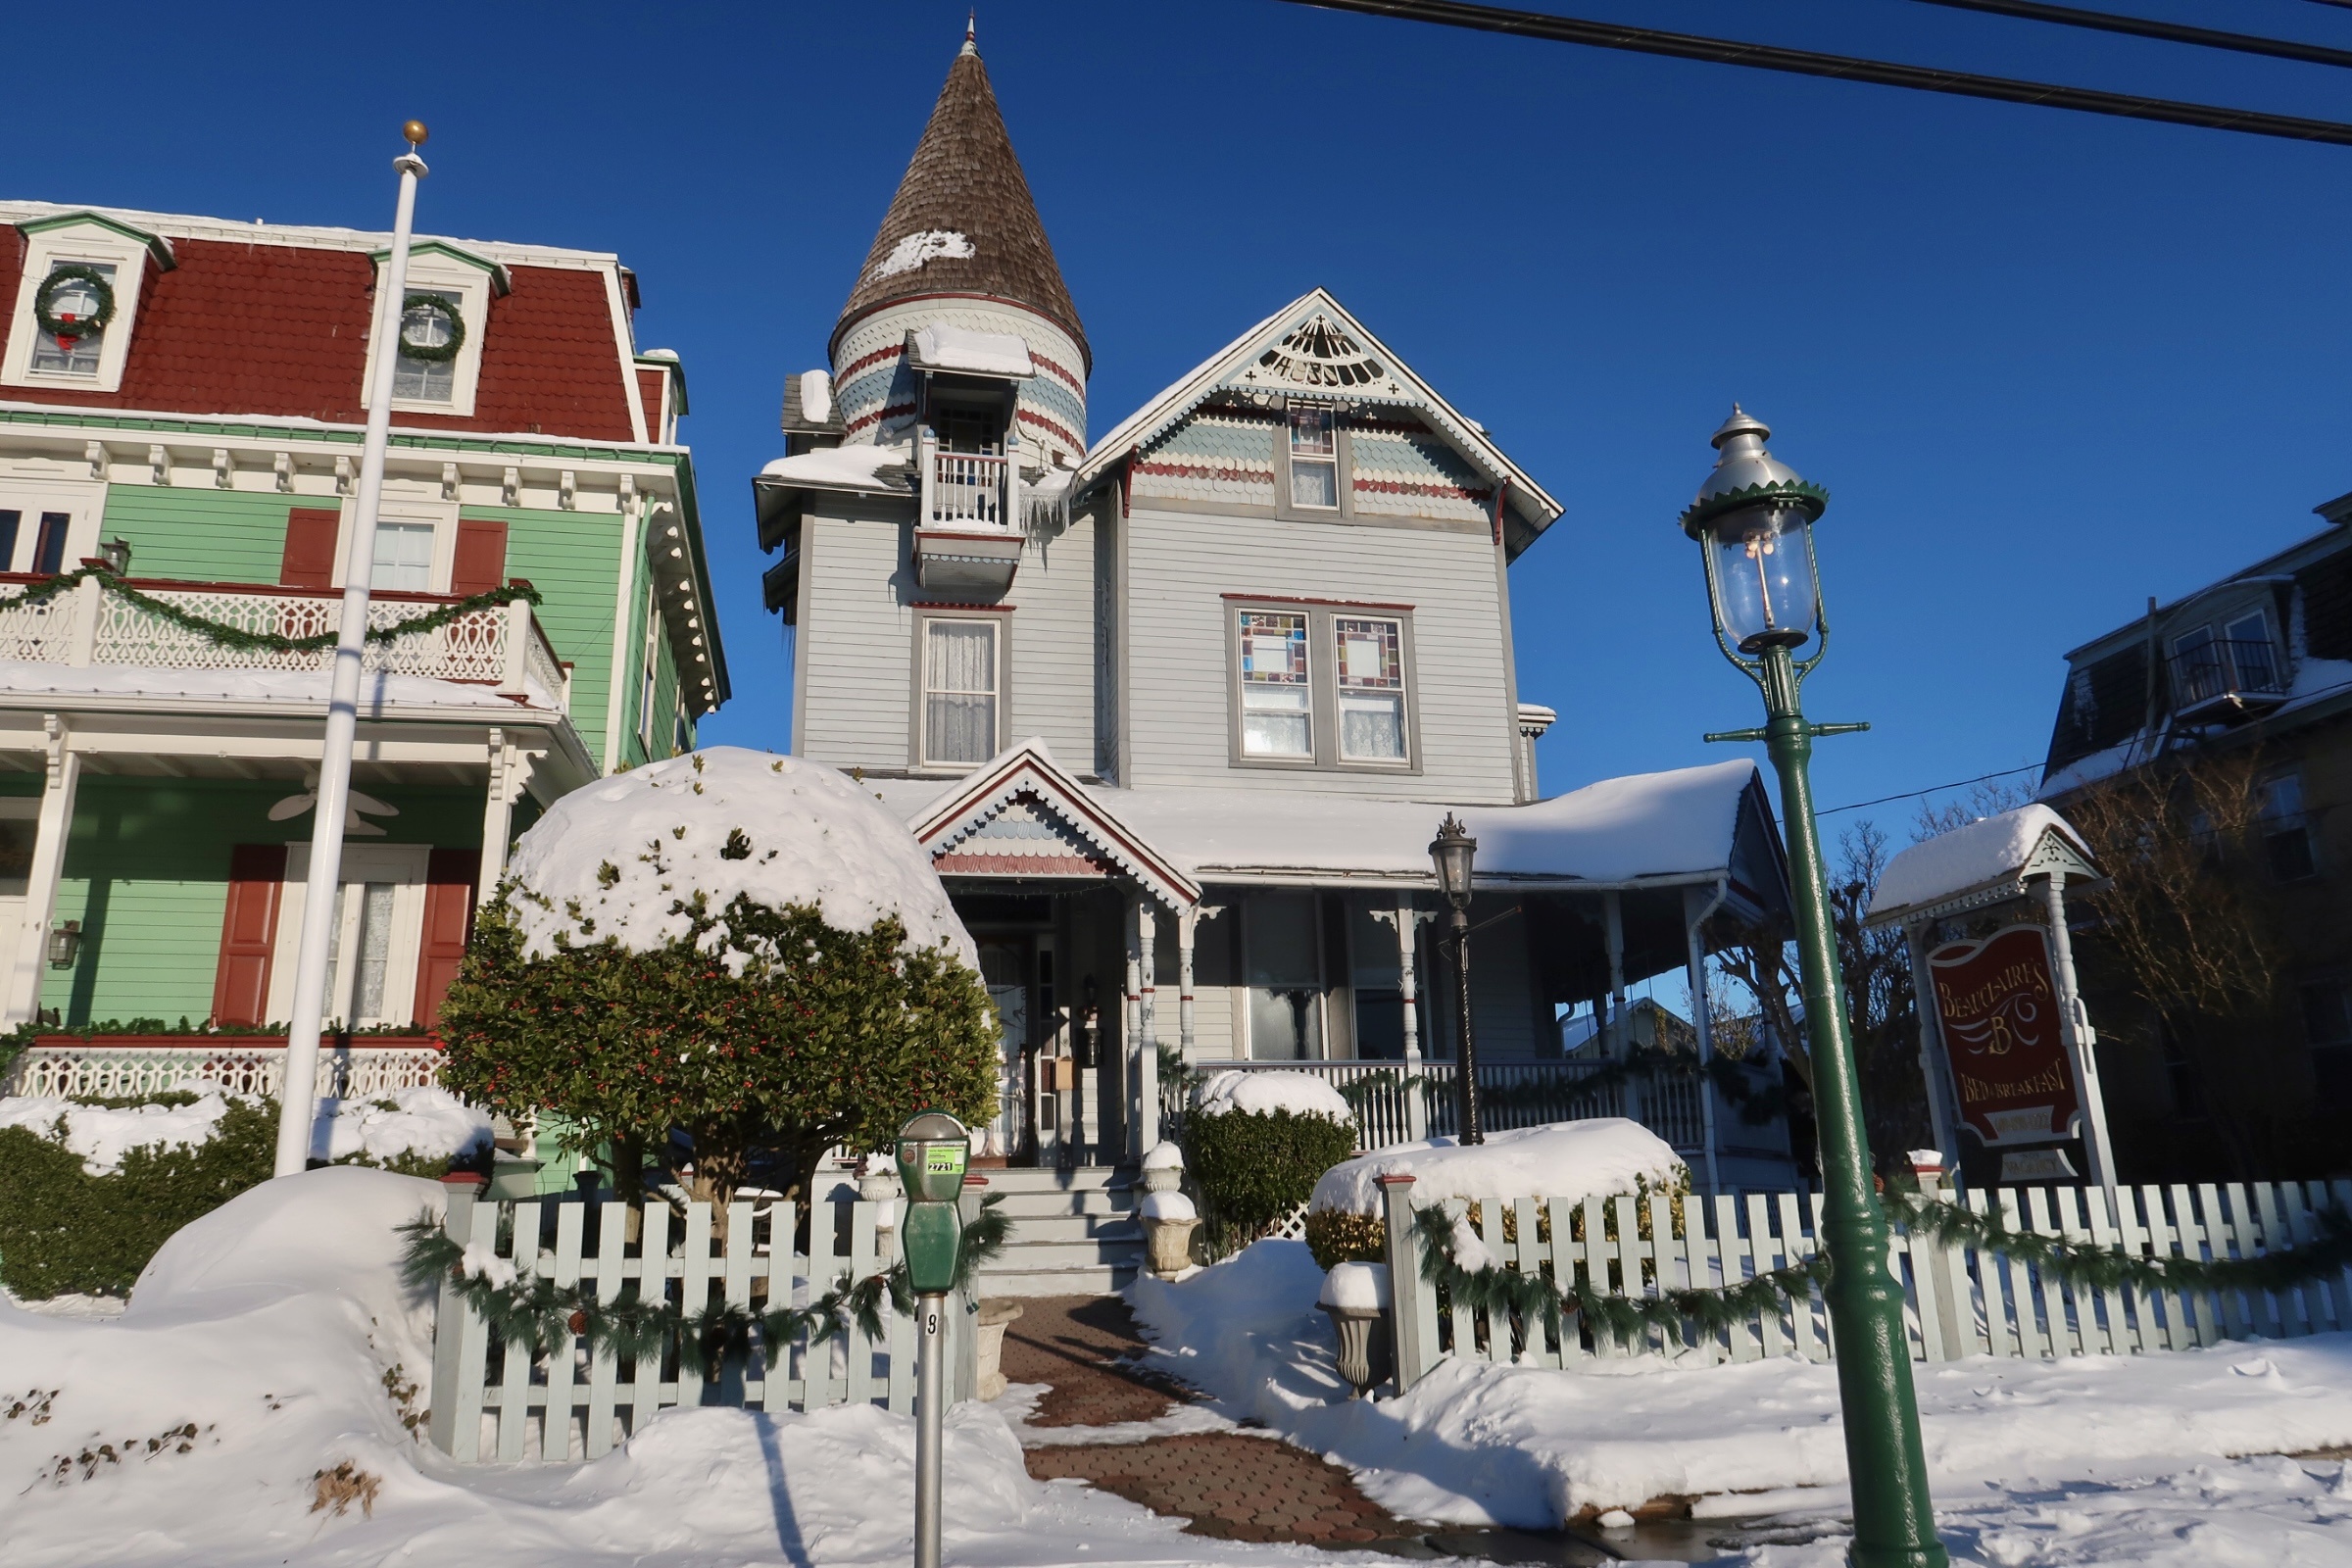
x=963 y=221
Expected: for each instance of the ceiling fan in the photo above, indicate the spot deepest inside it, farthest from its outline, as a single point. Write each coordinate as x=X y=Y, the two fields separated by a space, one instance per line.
x=294 y=805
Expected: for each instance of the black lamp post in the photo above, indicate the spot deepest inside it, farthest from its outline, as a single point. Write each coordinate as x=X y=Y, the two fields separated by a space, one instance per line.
x=1451 y=851
x=1753 y=520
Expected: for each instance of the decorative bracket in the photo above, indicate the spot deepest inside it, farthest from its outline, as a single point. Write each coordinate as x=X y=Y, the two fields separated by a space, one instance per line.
x=94 y=453
x=283 y=467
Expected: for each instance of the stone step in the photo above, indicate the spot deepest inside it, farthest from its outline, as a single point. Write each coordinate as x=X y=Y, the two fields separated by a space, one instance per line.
x=1038 y=1229
x=1090 y=1280
x=1033 y=1205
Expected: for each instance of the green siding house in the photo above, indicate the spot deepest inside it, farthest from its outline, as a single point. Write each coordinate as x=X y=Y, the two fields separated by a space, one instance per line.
x=183 y=397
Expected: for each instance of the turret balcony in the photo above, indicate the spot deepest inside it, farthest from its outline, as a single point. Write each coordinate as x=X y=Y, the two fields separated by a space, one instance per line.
x=964 y=542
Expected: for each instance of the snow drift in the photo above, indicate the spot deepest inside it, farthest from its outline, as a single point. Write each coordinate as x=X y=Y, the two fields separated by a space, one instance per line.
x=1572 y=1161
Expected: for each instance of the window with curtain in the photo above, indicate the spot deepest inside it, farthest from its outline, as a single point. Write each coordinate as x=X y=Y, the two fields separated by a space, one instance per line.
x=78 y=354
x=404 y=557
x=365 y=920
x=1278 y=706
x=1369 y=656
x=959 y=691
x=1314 y=459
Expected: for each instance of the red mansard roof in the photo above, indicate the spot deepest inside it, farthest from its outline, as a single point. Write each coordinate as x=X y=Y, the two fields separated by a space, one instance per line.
x=279 y=331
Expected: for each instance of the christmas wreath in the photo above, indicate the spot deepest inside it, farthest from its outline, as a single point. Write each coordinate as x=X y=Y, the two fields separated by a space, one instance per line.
x=431 y=353
x=69 y=326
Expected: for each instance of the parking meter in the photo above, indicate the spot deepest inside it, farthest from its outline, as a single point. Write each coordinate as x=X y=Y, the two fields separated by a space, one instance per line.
x=933 y=1150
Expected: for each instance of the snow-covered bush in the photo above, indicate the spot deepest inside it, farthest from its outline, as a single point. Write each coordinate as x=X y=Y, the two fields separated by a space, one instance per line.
x=1256 y=1143
x=723 y=963
x=90 y=1188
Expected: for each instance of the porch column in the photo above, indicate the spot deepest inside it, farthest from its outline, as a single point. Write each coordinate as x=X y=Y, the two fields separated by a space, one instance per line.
x=50 y=829
x=1187 y=922
x=1408 y=921
x=509 y=774
x=2075 y=1026
x=1933 y=1065
x=1614 y=1044
x=1696 y=907
x=1145 y=1134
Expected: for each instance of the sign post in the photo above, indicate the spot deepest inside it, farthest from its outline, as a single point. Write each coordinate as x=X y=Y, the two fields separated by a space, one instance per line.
x=934 y=1150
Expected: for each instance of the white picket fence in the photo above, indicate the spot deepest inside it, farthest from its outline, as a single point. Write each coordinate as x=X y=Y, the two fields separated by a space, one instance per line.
x=1959 y=1301
x=491 y=1401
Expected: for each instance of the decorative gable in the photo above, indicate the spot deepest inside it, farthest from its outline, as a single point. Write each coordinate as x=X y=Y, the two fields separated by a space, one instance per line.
x=1022 y=816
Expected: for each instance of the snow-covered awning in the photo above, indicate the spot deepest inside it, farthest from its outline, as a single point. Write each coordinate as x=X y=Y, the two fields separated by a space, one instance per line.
x=1983 y=862
x=938 y=347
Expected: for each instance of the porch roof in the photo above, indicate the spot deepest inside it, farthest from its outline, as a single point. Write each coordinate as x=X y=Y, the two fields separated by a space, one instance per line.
x=1690 y=825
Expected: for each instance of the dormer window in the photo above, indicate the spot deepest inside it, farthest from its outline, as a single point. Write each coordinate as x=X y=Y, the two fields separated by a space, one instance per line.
x=69 y=309
x=1314 y=457
x=75 y=301
x=444 y=317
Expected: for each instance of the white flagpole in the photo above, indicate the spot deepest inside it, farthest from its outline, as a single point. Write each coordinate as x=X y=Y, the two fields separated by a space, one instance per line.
x=319 y=905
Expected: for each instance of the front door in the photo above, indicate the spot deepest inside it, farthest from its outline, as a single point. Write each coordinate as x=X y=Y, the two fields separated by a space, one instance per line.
x=1004 y=966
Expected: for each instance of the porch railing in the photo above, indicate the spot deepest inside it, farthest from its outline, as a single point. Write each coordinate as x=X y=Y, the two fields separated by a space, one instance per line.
x=967 y=487
x=63 y=1067
x=499 y=645
x=1511 y=1094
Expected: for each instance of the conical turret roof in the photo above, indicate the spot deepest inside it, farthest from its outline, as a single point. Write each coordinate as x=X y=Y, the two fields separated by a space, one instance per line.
x=963 y=221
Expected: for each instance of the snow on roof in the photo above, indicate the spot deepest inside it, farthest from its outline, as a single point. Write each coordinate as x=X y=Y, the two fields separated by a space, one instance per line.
x=1621 y=830
x=850 y=468
x=1968 y=857
x=817 y=396
x=1303 y=1094
x=629 y=849
x=939 y=347
x=1572 y=1161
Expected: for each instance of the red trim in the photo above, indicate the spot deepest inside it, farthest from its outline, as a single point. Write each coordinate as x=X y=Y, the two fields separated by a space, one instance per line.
x=1414 y=487
x=1023 y=416
x=943 y=604
x=1196 y=470
x=895 y=350
x=225 y=1042
x=956 y=862
x=1072 y=382
x=1295 y=598
x=848 y=324
x=1073 y=804
x=274 y=590
x=875 y=418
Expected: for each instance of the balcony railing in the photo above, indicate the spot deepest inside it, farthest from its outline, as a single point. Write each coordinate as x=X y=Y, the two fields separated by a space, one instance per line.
x=967 y=489
x=502 y=646
x=2235 y=673
x=124 y=1066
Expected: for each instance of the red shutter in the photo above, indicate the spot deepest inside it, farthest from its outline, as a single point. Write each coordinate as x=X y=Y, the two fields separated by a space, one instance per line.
x=256 y=872
x=480 y=561
x=310 y=558
x=449 y=881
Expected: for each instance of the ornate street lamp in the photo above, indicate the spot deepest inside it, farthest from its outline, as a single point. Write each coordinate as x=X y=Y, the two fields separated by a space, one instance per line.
x=1451 y=851
x=1753 y=519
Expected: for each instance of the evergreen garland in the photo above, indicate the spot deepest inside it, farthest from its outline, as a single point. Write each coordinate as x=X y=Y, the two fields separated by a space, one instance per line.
x=431 y=353
x=1757 y=1107
x=224 y=635
x=545 y=1317
x=1496 y=1290
x=62 y=329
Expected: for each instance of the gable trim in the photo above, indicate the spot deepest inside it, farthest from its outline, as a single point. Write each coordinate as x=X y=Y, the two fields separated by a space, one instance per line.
x=1027 y=771
x=157 y=247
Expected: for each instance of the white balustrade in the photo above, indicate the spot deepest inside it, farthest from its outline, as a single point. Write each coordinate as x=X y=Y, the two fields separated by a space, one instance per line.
x=243 y=1064
x=968 y=487
x=494 y=646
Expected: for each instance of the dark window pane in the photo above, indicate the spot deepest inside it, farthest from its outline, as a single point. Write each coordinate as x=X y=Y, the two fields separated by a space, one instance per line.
x=2332 y=1071
x=2327 y=1015
x=50 y=554
x=2291 y=854
x=8 y=538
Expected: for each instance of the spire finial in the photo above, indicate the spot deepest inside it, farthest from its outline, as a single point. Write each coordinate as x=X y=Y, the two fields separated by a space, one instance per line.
x=971 y=27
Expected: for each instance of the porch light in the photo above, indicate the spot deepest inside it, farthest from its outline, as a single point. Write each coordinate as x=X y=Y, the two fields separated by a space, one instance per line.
x=117 y=555
x=1451 y=851
x=65 y=945
x=1755 y=518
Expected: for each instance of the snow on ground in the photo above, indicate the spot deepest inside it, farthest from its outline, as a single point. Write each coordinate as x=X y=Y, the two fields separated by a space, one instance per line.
x=1598 y=1157
x=427 y=1121
x=724 y=820
x=1303 y=1094
x=2146 y=1438
x=254 y=1351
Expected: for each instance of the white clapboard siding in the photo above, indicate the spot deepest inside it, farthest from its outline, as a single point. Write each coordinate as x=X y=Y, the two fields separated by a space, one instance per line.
x=1958 y=1302
x=494 y=1402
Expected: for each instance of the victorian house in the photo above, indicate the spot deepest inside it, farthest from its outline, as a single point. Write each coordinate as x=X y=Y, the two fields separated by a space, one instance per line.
x=181 y=400
x=1179 y=707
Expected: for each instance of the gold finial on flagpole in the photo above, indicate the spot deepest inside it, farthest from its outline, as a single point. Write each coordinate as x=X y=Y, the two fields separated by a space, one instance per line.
x=414 y=133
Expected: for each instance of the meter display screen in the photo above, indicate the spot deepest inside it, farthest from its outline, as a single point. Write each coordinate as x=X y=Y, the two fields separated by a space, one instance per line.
x=943 y=1161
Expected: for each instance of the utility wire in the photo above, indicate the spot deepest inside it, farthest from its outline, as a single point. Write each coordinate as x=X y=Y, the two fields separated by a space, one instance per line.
x=1846 y=68
x=2171 y=33
x=1932 y=789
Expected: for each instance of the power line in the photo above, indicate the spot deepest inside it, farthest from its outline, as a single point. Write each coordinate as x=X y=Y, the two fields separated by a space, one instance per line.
x=1932 y=789
x=1845 y=67
x=2140 y=27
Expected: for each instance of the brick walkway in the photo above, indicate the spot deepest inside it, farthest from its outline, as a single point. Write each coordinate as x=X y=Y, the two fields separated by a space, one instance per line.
x=1223 y=1484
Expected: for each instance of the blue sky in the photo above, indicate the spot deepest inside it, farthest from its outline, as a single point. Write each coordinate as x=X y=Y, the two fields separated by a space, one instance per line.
x=2047 y=363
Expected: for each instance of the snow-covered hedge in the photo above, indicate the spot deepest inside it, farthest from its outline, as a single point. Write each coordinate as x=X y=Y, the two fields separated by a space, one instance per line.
x=1256 y=1142
x=1573 y=1160
x=88 y=1192
x=1303 y=1094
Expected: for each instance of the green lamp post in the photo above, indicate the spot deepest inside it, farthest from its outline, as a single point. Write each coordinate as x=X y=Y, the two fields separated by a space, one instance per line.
x=1753 y=520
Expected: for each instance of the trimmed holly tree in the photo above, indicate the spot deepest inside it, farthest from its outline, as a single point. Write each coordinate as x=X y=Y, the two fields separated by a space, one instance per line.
x=761 y=1033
